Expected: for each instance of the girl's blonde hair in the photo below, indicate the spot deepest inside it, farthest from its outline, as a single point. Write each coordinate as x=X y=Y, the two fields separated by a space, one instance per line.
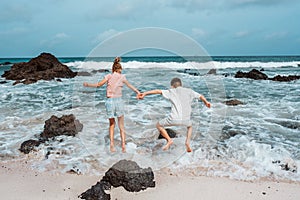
x=116 y=66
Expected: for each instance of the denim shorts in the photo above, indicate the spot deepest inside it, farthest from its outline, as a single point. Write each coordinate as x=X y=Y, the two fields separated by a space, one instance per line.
x=114 y=107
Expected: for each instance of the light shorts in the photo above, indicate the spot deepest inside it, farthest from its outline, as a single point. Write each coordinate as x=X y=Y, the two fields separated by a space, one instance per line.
x=114 y=107
x=170 y=122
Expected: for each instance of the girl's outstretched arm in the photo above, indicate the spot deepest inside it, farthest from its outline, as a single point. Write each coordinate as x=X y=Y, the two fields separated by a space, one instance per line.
x=99 y=84
x=132 y=87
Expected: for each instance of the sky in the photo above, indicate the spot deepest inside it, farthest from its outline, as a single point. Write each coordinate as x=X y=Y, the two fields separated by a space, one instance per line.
x=71 y=28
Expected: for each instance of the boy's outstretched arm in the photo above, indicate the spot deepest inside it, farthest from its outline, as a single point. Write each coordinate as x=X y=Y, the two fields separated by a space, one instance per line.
x=141 y=96
x=202 y=98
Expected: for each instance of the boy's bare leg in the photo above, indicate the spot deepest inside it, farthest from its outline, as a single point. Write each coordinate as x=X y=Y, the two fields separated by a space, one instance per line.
x=111 y=134
x=188 y=139
x=122 y=132
x=164 y=133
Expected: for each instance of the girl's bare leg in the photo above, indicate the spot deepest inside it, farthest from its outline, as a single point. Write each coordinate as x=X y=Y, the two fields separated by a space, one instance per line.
x=122 y=132
x=112 y=124
x=164 y=133
x=188 y=138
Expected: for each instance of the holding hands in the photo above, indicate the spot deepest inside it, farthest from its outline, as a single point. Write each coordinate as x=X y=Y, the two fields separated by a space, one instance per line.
x=140 y=96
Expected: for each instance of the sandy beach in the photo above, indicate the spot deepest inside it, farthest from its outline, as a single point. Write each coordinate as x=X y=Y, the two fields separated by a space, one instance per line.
x=19 y=181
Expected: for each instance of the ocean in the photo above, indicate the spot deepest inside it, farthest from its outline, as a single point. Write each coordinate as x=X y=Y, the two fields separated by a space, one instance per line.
x=258 y=139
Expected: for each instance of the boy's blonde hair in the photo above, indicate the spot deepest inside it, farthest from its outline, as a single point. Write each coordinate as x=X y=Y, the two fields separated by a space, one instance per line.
x=176 y=82
x=116 y=66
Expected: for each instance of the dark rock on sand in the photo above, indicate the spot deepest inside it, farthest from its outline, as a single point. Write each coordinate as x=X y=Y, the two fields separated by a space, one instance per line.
x=44 y=67
x=233 y=102
x=124 y=173
x=170 y=132
x=128 y=174
x=253 y=74
x=29 y=145
x=65 y=125
x=97 y=192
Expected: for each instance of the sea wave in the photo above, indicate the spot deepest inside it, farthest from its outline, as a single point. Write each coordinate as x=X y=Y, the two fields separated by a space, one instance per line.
x=94 y=65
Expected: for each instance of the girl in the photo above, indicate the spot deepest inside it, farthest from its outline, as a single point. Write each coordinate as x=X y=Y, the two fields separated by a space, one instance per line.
x=114 y=103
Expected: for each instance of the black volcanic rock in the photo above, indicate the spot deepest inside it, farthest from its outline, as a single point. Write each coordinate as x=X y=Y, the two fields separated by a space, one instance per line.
x=124 y=173
x=171 y=133
x=233 y=102
x=285 y=78
x=258 y=75
x=65 y=125
x=97 y=192
x=128 y=174
x=55 y=126
x=44 y=67
x=29 y=145
x=253 y=74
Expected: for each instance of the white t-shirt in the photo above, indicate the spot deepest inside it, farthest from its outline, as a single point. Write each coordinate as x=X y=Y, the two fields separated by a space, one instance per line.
x=181 y=99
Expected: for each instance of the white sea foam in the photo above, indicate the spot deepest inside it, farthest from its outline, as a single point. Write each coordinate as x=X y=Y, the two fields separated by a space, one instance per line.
x=94 y=65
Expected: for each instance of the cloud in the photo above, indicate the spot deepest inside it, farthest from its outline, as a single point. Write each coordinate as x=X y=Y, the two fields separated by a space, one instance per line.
x=15 y=13
x=241 y=34
x=105 y=35
x=201 y=5
x=55 y=40
x=14 y=31
x=276 y=35
x=198 y=33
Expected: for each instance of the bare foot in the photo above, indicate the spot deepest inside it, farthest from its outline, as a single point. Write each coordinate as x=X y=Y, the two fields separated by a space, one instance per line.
x=188 y=148
x=123 y=149
x=112 y=149
x=167 y=146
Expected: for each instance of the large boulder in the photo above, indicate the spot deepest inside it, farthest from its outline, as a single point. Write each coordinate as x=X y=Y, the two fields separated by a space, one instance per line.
x=44 y=67
x=65 y=125
x=128 y=174
x=124 y=173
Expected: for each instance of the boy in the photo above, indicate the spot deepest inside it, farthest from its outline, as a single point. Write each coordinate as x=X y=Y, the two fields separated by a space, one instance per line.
x=181 y=99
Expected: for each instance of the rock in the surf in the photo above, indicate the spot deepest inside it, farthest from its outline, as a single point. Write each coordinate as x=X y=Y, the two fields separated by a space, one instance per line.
x=253 y=74
x=29 y=145
x=44 y=67
x=233 y=102
x=171 y=133
x=65 y=125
